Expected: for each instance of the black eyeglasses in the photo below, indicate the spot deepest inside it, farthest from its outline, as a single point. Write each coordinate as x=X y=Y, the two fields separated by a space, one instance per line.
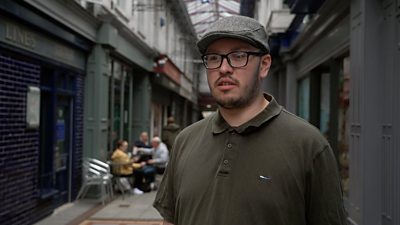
x=235 y=59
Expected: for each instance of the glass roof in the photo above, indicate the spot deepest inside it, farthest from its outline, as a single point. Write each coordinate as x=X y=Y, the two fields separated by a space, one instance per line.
x=204 y=12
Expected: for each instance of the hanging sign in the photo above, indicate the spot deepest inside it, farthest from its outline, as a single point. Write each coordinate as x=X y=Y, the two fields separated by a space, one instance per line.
x=33 y=107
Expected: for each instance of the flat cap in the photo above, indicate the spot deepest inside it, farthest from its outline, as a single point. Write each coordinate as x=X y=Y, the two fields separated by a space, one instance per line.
x=238 y=27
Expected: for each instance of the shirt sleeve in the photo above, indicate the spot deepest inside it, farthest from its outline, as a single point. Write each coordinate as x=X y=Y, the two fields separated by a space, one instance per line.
x=136 y=166
x=324 y=195
x=165 y=198
x=146 y=150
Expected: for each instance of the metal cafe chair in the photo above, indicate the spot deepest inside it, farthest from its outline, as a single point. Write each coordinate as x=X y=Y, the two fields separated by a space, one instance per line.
x=106 y=169
x=95 y=175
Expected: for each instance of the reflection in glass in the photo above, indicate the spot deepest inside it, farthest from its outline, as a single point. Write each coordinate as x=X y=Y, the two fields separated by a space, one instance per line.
x=343 y=141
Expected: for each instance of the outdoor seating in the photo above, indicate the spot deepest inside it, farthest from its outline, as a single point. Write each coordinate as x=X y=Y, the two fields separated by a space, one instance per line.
x=96 y=173
x=117 y=176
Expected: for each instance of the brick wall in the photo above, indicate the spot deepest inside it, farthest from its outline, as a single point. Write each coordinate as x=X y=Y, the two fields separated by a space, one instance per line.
x=18 y=145
x=78 y=136
x=20 y=201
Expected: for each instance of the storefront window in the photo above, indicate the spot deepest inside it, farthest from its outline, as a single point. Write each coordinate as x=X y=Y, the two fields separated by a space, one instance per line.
x=127 y=99
x=116 y=120
x=156 y=119
x=56 y=113
x=343 y=137
x=324 y=104
x=119 y=103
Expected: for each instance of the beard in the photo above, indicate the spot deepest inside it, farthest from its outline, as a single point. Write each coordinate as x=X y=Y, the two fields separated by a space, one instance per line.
x=247 y=96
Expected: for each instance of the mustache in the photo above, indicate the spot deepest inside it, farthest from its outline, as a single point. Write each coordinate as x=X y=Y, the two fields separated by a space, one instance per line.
x=226 y=78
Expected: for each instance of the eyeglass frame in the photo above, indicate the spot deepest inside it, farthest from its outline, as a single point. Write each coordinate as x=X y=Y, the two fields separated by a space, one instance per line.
x=225 y=56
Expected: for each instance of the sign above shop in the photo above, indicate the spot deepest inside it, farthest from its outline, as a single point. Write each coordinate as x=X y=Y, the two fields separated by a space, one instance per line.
x=24 y=37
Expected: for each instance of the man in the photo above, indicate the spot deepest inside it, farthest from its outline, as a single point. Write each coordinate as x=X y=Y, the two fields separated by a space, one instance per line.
x=159 y=158
x=159 y=154
x=143 y=141
x=169 y=132
x=252 y=162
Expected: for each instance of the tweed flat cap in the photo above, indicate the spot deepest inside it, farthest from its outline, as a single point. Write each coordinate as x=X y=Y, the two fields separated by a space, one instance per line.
x=238 y=27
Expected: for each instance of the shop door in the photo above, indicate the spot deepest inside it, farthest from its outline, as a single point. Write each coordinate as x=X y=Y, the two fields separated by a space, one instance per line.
x=62 y=146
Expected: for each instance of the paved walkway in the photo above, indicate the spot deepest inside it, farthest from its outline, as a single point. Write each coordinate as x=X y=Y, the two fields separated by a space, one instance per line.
x=130 y=210
x=120 y=222
x=133 y=207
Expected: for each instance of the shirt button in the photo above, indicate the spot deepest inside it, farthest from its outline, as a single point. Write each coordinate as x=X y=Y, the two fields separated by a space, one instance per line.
x=229 y=145
x=226 y=161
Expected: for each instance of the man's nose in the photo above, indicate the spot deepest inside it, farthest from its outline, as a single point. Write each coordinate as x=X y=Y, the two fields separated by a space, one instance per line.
x=225 y=66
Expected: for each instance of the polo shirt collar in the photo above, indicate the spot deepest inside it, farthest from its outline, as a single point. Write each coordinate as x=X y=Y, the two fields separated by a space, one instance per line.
x=273 y=109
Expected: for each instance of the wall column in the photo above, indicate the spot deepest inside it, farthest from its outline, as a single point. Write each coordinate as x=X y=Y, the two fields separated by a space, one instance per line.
x=96 y=104
x=366 y=38
x=141 y=105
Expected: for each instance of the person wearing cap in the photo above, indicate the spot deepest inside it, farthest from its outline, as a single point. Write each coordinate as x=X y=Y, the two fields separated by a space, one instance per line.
x=251 y=162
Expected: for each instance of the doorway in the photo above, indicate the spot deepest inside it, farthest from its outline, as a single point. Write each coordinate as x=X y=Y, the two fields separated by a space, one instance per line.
x=56 y=126
x=62 y=149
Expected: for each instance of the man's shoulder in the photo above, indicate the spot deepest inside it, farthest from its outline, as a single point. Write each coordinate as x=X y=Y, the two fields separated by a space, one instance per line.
x=295 y=121
x=173 y=126
x=140 y=144
x=190 y=135
x=163 y=146
x=196 y=129
x=298 y=128
x=201 y=124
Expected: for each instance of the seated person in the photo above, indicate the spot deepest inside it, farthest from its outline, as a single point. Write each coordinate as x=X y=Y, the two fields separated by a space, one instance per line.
x=160 y=155
x=143 y=142
x=124 y=165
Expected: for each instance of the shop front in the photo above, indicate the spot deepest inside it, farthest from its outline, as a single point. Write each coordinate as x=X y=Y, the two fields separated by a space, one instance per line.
x=118 y=90
x=316 y=76
x=165 y=94
x=171 y=95
x=42 y=67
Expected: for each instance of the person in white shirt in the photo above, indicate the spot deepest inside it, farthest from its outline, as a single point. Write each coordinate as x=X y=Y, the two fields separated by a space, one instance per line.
x=160 y=155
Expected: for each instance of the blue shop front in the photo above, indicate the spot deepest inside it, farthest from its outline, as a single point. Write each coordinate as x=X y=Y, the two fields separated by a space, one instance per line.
x=42 y=71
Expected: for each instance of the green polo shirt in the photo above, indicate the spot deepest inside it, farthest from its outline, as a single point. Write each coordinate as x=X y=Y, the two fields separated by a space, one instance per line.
x=276 y=169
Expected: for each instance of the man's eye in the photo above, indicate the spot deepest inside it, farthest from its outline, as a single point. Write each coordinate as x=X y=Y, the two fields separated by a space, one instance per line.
x=238 y=55
x=213 y=58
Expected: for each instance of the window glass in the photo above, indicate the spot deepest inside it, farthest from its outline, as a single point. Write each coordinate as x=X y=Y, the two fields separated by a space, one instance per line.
x=116 y=120
x=127 y=110
x=119 y=95
x=343 y=136
x=324 y=104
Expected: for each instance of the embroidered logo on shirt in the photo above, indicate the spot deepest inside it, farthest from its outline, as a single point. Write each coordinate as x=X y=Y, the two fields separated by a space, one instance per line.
x=264 y=178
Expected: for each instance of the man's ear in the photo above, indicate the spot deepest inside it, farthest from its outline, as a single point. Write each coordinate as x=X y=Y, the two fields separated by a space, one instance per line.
x=265 y=65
